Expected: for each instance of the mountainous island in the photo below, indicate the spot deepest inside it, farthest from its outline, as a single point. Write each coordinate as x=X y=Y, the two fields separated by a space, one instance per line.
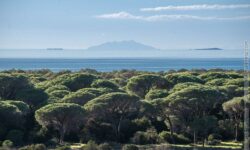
x=126 y=49
x=128 y=45
x=208 y=49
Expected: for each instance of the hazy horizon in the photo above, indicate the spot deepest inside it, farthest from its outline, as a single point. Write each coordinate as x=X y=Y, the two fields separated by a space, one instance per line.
x=167 y=25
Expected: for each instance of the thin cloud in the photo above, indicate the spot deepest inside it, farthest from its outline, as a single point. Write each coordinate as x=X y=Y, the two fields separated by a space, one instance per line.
x=127 y=16
x=119 y=15
x=198 y=7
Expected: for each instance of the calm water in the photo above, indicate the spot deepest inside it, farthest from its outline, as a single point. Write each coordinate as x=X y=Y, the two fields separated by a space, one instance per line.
x=157 y=64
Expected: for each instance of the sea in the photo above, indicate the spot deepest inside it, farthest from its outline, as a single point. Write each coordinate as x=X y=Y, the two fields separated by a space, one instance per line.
x=112 y=64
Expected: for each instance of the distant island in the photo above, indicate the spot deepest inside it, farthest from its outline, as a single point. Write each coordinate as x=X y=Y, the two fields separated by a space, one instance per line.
x=207 y=49
x=54 y=49
x=128 y=45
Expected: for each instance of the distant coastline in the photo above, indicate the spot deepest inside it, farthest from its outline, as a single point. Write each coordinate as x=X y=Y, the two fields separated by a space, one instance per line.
x=208 y=49
x=56 y=49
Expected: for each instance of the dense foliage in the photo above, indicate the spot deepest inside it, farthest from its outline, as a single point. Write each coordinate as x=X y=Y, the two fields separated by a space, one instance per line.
x=124 y=106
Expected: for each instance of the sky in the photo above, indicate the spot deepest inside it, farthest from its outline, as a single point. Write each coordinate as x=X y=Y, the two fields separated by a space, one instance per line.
x=164 y=24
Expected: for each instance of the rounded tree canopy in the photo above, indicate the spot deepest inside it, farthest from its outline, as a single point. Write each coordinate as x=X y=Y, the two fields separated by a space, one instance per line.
x=235 y=75
x=74 y=81
x=10 y=84
x=156 y=93
x=214 y=75
x=232 y=91
x=239 y=82
x=141 y=85
x=106 y=100
x=63 y=113
x=32 y=96
x=59 y=93
x=23 y=107
x=152 y=108
x=183 y=77
x=119 y=81
x=101 y=83
x=34 y=79
x=199 y=99
x=20 y=106
x=235 y=105
x=56 y=87
x=95 y=91
x=79 y=97
x=217 y=82
x=181 y=86
x=12 y=113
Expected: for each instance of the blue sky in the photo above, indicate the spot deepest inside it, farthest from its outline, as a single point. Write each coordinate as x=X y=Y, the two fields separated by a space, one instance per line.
x=165 y=24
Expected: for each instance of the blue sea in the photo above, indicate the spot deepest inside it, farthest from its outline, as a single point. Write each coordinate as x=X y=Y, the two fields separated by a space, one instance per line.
x=111 y=64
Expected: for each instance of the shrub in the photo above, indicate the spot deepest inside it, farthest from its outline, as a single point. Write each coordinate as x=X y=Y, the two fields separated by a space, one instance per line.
x=140 y=138
x=166 y=136
x=34 y=147
x=148 y=137
x=24 y=148
x=178 y=138
x=16 y=136
x=91 y=145
x=3 y=131
x=182 y=139
x=40 y=147
x=104 y=146
x=65 y=147
x=52 y=142
x=213 y=142
x=130 y=147
x=7 y=143
x=142 y=123
x=214 y=137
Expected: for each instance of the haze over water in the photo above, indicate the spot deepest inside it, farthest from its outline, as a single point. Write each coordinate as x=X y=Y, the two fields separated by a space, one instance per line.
x=83 y=53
